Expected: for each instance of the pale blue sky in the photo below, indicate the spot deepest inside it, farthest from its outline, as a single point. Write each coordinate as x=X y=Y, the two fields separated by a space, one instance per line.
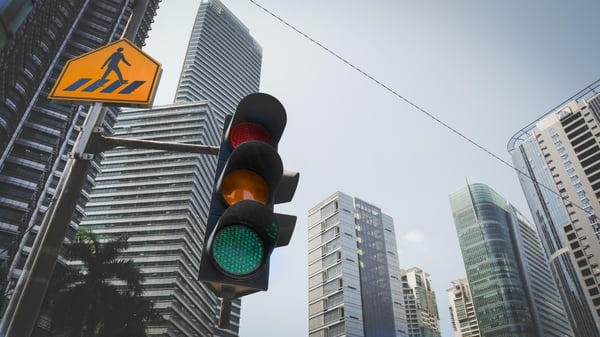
x=487 y=68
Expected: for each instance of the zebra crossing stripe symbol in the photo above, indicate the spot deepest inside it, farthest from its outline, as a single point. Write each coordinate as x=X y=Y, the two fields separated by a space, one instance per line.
x=126 y=87
x=116 y=73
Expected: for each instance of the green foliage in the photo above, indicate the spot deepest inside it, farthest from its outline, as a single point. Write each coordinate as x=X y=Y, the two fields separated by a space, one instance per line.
x=89 y=304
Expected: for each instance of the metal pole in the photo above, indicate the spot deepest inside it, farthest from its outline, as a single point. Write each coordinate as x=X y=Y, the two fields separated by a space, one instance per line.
x=25 y=303
x=29 y=301
x=33 y=283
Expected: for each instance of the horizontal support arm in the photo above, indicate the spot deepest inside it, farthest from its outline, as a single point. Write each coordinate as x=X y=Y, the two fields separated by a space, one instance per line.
x=102 y=143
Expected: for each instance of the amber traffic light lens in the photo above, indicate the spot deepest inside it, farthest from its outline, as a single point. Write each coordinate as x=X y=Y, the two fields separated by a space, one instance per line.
x=244 y=185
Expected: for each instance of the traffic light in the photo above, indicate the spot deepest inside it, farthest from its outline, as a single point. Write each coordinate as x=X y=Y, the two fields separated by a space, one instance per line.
x=242 y=229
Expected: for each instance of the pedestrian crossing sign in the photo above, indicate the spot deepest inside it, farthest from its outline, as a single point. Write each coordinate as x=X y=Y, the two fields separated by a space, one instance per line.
x=119 y=73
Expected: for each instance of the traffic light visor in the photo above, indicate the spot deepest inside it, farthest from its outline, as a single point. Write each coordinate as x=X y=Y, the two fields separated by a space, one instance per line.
x=266 y=114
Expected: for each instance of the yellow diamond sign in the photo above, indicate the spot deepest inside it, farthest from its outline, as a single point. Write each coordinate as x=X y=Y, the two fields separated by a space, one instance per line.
x=119 y=73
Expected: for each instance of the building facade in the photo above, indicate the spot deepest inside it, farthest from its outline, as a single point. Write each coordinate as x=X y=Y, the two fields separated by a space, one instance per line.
x=159 y=199
x=354 y=274
x=422 y=314
x=37 y=134
x=462 y=310
x=162 y=198
x=513 y=290
x=12 y=15
x=222 y=63
x=558 y=159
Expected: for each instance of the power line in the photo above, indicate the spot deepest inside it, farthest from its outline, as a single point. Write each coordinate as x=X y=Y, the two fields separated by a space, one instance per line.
x=411 y=103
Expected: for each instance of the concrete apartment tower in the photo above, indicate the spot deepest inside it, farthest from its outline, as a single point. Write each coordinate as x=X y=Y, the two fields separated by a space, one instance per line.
x=162 y=198
x=558 y=159
x=512 y=286
x=354 y=274
x=37 y=134
x=462 y=310
x=421 y=307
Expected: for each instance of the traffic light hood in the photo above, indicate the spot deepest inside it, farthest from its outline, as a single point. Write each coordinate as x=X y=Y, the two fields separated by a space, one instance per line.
x=262 y=109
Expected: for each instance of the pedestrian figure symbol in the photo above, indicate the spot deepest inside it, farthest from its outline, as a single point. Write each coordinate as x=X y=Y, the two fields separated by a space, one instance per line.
x=113 y=65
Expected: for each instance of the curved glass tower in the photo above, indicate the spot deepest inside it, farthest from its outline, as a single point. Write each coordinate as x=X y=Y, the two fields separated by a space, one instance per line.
x=513 y=291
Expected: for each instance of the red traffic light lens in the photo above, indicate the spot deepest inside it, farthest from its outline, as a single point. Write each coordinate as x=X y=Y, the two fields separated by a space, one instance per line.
x=244 y=132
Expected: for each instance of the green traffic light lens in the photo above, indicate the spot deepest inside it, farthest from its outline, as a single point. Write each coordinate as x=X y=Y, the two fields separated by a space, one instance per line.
x=238 y=250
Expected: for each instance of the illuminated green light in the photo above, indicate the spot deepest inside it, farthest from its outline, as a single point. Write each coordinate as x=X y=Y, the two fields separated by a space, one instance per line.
x=238 y=250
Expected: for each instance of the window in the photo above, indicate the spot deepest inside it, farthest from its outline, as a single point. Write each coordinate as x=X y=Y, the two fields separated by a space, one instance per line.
x=331 y=246
x=330 y=234
x=334 y=300
x=332 y=286
x=332 y=259
x=334 y=315
x=329 y=209
x=333 y=271
x=336 y=330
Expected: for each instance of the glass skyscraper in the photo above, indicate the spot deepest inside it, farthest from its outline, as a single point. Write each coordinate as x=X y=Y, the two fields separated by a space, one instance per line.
x=162 y=198
x=513 y=290
x=354 y=280
x=558 y=158
x=37 y=134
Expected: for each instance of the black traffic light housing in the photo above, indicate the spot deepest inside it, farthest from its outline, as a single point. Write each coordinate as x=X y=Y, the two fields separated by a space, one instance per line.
x=242 y=230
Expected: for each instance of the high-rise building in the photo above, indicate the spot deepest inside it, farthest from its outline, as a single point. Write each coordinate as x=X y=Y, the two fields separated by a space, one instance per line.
x=37 y=134
x=354 y=273
x=422 y=314
x=512 y=286
x=159 y=199
x=558 y=159
x=462 y=310
x=12 y=15
x=162 y=198
x=222 y=63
